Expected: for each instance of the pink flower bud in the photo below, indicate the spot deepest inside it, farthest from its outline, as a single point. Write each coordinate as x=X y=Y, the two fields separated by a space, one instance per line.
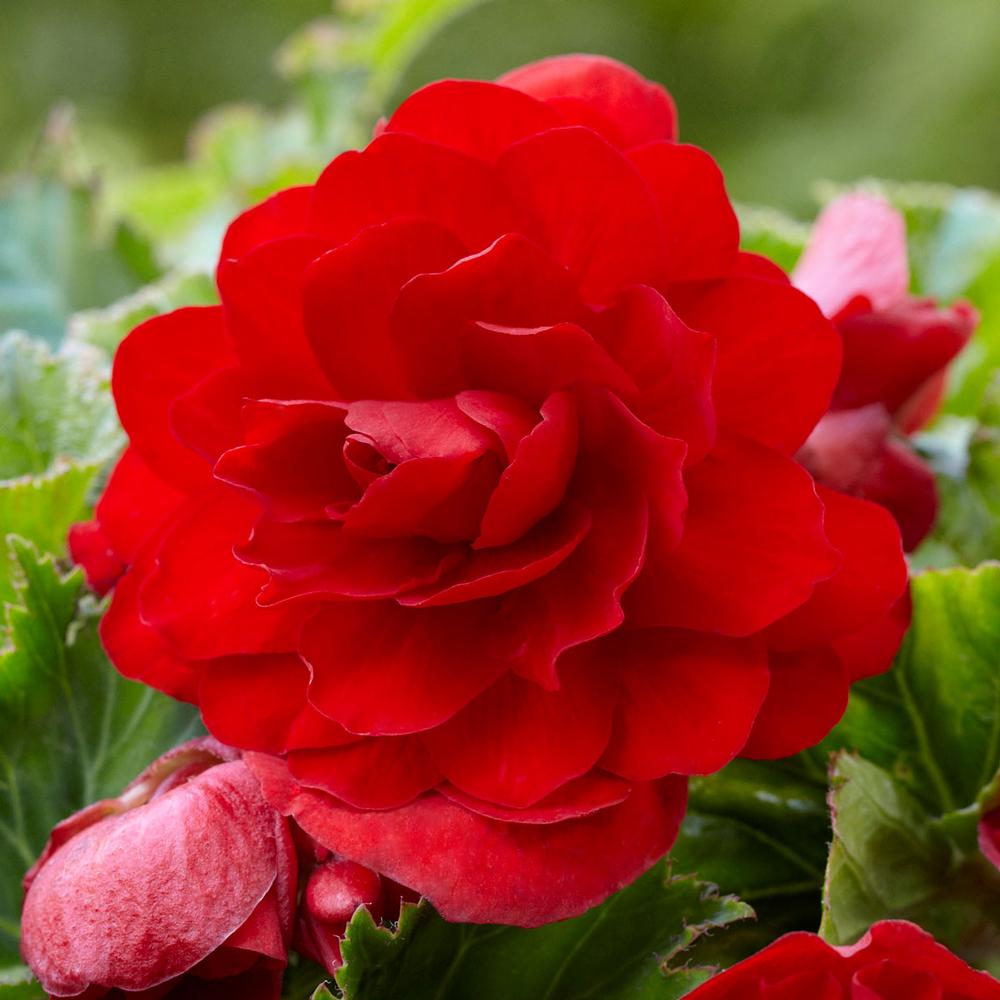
x=183 y=885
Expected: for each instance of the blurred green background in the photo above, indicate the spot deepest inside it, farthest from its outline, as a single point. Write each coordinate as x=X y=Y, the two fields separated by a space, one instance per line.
x=782 y=92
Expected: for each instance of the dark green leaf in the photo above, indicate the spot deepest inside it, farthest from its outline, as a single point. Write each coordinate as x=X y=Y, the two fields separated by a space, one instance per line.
x=71 y=729
x=619 y=949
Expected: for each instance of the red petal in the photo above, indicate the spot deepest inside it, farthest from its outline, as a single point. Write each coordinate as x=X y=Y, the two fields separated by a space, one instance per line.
x=282 y=719
x=206 y=419
x=688 y=701
x=582 y=796
x=283 y=214
x=807 y=697
x=508 y=417
x=484 y=871
x=580 y=600
x=753 y=547
x=349 y=295
x=701 y=235
x=200 y=597
x=871 y=649
x=857 y=247
x=670 y=363
x=606 y=242
x=517 y=743
x=890 y=354
x=401 y=177
x=871 y=578
x=141 y=897
x=534 y=483
x=90 y=548
x=630 y=108
x=772 y=344
x=381 y=773
x=473 y=117
x=755 y=265
x=158 y=361
x=136 y=649
x=316 y=560
x=989 y=836
x=262 y=299
x=291 y=462
x=488 y=572
x=380 y=669
x=134 y=503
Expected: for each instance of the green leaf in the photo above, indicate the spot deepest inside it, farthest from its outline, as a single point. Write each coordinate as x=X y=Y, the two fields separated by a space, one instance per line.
x=619 y=949
x=53 y=407
x=106 y=328
x=772 y=233
x=905 y=810
x=890 y=859
x=933 y=721
x=58 y=429
x=58 y=252
x=301 y=978
x=759 y=830
x=72 y=730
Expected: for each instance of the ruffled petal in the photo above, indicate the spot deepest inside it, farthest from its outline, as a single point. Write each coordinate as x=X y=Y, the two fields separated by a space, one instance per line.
x=688 y=701
x=380 y=669
x=262 y=301
x=607 y=242
x=401 y=177
x=480 y=870
x=517 y=743
x=534 y=483
x=753 y=549
x=472 y=116
x=285 y=213
x=206 y=419
x=777 y=358
x=158 y=361
x=701 y=235
x=200 y=597
x=670 y=363
x=350 y=293
x=806 y=698
x=380 y=773
x=871 y=649
x=580 y=797
x=601 y=93
x=291 y=460
x=276 y=686
x=136 y=649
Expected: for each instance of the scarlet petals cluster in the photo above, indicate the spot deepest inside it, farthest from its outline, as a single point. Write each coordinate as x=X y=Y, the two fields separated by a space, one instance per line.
x=897 y=349
x=476 y=502
x=895 y=960
x=184 y=886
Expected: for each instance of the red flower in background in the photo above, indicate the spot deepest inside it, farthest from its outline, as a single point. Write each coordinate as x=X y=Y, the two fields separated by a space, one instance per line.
x=475 y=498
x=895 y=960
x=184 y=885
x=896 y=352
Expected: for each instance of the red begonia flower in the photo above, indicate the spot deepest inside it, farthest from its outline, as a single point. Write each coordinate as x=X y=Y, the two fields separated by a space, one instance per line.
x=895 y=960
x=476 y=498
x=184 y=885
x=896 y=352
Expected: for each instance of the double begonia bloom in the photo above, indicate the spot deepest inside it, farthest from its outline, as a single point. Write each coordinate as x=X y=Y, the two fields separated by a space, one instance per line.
x=895 y=960
x=183 y=886
x=896 y=353
x=476 y=498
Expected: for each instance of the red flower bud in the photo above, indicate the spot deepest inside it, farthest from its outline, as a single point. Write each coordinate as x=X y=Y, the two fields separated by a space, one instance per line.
x=332 y=895
x=896 y=352
x=183 y=885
